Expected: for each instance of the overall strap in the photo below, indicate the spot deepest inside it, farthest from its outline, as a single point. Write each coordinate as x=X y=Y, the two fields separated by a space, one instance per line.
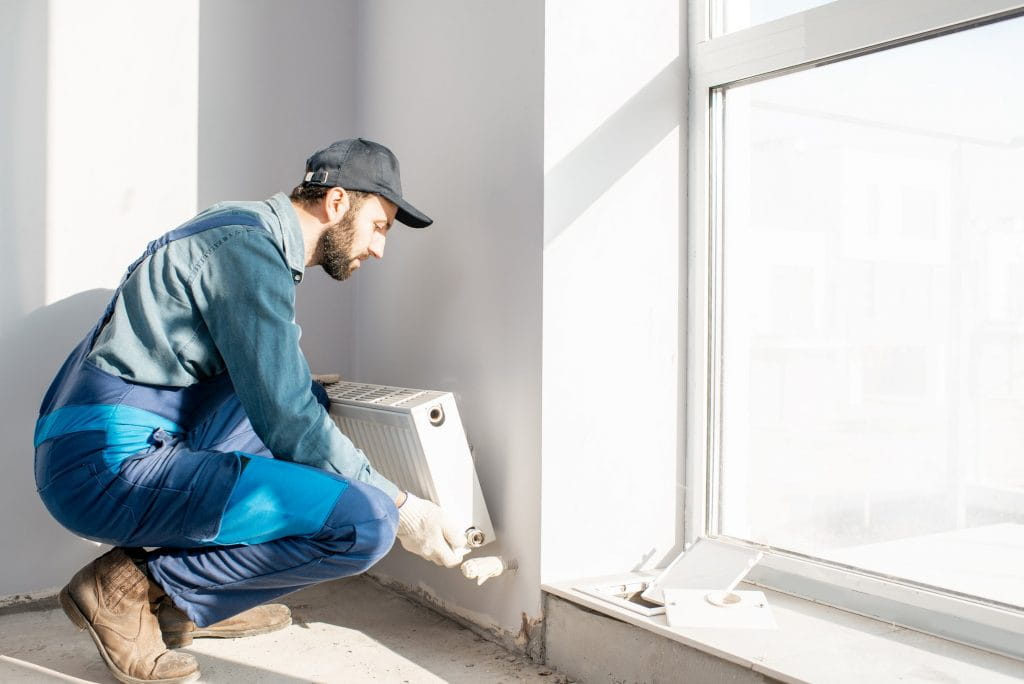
x=216 y=219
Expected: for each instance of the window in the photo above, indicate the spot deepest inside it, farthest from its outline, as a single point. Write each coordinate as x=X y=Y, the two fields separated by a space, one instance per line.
x=857 y=309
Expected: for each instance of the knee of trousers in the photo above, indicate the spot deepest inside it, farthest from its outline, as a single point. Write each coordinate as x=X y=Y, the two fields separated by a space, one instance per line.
x=362 y=525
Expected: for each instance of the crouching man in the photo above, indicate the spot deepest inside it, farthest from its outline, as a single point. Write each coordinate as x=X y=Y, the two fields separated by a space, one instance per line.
x=187 y=422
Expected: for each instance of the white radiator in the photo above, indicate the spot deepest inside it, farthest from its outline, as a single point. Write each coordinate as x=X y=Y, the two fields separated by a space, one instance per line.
x=415 y=439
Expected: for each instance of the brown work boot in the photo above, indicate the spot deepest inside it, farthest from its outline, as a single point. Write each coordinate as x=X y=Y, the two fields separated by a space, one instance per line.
x=111 y=598
x=179 y=630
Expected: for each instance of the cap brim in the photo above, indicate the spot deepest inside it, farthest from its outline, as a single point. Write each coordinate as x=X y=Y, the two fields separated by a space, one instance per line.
x=411 y=216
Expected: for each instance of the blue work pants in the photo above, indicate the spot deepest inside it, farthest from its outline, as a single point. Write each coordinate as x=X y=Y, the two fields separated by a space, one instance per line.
x=275 y=527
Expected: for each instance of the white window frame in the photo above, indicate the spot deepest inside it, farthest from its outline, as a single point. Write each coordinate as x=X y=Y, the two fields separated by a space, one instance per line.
x=839 y=30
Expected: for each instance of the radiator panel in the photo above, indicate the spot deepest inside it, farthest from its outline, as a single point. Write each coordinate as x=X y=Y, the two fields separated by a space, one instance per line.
x=415 y=439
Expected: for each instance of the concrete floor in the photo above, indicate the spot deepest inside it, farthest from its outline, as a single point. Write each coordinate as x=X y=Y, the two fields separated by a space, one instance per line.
x=351 y=630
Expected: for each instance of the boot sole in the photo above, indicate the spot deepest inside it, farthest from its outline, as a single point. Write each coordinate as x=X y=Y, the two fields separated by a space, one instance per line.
x=185 y=638
x=74 y=613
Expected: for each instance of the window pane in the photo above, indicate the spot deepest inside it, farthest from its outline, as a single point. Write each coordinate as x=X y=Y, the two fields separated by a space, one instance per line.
x=733 y=15
x=873 y=312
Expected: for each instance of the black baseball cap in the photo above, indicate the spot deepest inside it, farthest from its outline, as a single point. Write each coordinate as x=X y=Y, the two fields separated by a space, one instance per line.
x=365 y=166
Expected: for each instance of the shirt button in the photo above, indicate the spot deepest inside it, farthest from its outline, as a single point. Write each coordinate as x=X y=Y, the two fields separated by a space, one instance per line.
x=298 y=278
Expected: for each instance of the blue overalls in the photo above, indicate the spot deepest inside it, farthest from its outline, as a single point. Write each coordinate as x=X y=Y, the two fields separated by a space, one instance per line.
x=181 y=468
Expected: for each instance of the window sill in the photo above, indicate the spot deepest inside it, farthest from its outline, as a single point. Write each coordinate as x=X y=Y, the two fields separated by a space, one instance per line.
x=816 y=643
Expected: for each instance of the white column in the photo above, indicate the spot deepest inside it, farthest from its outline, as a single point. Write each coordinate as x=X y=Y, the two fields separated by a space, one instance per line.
x=614 y=106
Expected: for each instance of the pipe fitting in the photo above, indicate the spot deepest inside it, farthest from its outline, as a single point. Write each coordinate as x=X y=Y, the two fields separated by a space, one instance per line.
x=475 y=537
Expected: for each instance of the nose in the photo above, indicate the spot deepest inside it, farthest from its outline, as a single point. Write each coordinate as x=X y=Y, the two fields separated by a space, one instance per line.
x=377 y=245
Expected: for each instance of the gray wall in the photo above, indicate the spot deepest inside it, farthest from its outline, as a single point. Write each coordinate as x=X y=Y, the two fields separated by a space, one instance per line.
x=277 y=81
x=456 y=88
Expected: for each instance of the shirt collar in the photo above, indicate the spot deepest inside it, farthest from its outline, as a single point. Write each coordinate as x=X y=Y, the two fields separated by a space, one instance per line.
x=291 y=234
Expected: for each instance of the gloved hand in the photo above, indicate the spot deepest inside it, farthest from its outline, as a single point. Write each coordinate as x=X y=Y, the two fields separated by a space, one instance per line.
x=424 y=530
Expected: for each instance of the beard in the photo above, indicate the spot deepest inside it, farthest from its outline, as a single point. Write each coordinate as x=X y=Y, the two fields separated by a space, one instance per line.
x=336 y=247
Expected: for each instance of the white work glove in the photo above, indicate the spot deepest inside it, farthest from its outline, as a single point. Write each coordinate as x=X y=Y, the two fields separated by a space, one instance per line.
x=424 y=530
x=484 y=568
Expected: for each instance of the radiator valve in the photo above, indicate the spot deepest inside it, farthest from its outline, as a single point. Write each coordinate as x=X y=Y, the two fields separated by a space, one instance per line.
x=475 y=537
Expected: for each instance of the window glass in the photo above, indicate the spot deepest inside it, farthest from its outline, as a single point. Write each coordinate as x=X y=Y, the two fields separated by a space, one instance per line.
x=873 y=312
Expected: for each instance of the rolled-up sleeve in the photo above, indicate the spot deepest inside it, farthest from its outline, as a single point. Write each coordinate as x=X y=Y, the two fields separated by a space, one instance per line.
x=245 y=293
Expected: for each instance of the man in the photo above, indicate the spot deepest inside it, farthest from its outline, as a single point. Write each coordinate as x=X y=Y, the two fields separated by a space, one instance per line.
x=187 y=420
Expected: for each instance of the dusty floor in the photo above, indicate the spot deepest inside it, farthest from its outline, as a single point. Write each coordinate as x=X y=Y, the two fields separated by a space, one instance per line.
x=346 y=631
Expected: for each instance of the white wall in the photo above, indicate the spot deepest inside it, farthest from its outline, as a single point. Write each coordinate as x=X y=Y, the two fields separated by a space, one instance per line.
x=456 y=88
x=614 y=109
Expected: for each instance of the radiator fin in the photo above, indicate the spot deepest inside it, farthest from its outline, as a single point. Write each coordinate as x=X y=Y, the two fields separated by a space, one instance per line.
x=394 y=452
x=373 y=394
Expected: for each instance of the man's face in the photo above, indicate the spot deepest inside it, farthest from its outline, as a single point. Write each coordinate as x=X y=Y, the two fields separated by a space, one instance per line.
x=359 y=234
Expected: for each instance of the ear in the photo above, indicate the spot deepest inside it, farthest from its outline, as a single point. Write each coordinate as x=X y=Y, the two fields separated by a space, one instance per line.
x=336 y=203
